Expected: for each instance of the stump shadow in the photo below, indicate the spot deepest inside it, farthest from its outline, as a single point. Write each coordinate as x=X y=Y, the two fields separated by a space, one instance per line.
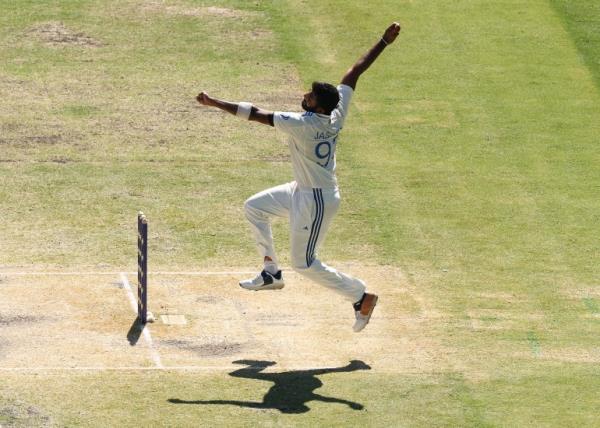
x=291 y=390
x=135 y=331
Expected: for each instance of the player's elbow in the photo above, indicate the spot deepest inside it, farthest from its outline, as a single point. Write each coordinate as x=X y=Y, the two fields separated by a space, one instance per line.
x=352 y=71
x=262 y=116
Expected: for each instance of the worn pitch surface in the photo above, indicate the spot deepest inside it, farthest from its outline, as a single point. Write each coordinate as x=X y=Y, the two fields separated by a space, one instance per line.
x=81 y=321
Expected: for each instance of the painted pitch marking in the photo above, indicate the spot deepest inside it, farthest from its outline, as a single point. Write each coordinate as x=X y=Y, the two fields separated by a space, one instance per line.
x=145 y=329
x=167 y=273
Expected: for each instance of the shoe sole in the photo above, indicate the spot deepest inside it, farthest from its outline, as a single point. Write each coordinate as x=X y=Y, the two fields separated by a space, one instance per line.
x=263 y=287
x=368 y=316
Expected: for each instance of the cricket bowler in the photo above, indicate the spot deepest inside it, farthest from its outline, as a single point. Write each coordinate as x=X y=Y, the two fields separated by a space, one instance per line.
x=312 y=200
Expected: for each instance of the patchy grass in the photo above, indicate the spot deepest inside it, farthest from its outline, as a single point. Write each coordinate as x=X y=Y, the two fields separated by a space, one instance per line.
x=91 y=135
x=469 y=161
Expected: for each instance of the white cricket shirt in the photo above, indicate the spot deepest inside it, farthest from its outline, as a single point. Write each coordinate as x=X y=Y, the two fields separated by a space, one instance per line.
x=312 y=141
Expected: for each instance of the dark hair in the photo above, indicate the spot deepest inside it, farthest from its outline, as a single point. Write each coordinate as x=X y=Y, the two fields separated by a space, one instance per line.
x=327 y=96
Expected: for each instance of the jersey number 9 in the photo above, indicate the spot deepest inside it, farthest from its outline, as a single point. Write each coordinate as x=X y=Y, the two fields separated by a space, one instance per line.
x=323 y=151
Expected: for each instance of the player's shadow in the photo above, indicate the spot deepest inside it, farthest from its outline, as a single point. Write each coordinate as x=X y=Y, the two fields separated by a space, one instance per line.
x=291 y=390
x=135 y=331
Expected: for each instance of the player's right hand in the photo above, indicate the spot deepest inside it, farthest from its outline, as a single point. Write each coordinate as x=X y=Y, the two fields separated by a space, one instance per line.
x=391 y=33
x=203 y=98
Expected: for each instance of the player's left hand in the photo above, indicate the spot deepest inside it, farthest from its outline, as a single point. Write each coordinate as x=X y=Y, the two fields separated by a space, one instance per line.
x=203 y=98
x=391 y=33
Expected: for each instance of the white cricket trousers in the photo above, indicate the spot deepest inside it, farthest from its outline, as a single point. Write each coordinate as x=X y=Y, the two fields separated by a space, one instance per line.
x=310 y=212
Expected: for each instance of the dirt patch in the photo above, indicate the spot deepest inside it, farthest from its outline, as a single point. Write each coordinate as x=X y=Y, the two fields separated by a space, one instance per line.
x=280 y=319
x=207 y=299
x=278 y=157
x=11 y=320
x=15 y=413
x=207 y=11
x=57 y=34
x=580 y=291
x=504 y=297
x=572 y=355
x=10 y=81
x=208 y=349
x=61 y=160
x=260 y=33
x=222 y=12
x=303 y=325
x=34 y=140
x=565 y=355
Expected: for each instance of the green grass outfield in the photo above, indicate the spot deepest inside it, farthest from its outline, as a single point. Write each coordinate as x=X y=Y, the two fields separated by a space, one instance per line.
x=470 y=161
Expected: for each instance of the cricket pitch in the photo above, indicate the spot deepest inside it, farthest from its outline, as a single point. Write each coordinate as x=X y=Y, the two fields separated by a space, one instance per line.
x=85 y=321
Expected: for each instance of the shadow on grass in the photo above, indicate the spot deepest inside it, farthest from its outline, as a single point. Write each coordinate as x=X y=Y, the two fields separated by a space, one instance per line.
x=292 y=389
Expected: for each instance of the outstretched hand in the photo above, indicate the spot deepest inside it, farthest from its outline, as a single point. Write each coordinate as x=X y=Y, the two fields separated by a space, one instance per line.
x=391 y=33
x=203 y=98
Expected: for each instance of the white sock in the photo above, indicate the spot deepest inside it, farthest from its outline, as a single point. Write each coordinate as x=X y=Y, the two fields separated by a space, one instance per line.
x=271 y=267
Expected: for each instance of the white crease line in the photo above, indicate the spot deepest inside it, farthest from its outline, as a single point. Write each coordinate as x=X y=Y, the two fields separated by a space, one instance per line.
x=274 y=369
x=63 y=273
x=190 y=273
x=124 y=368
x=146 y=330
x=197 y=273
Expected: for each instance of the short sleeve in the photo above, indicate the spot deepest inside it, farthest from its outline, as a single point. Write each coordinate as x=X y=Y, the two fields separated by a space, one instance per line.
x=341 y=111
x=288 y=123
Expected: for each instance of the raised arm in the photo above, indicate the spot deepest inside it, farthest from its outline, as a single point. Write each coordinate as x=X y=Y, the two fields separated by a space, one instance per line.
x=352 y=75
x=245 y=110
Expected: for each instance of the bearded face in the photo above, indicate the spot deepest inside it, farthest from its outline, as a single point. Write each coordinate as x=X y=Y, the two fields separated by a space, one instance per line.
x=309 y=102
x=306 y=107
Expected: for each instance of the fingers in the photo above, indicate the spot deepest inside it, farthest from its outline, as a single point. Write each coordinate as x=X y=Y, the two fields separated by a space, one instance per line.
x=202 y=98
x=392 y=32
x=394 y=29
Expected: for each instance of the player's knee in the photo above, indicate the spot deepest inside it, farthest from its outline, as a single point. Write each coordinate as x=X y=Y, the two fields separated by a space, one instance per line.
x=248 y=204
x=250 y=209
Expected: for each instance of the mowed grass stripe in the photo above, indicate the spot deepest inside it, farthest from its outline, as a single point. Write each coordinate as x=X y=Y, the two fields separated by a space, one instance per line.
x=469 y=168
x=582 y=19
x=494 y=178
x=470 y=156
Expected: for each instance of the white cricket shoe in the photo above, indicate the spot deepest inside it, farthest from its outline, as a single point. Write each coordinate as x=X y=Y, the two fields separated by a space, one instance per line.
x=264 y=281
x=363 y=315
